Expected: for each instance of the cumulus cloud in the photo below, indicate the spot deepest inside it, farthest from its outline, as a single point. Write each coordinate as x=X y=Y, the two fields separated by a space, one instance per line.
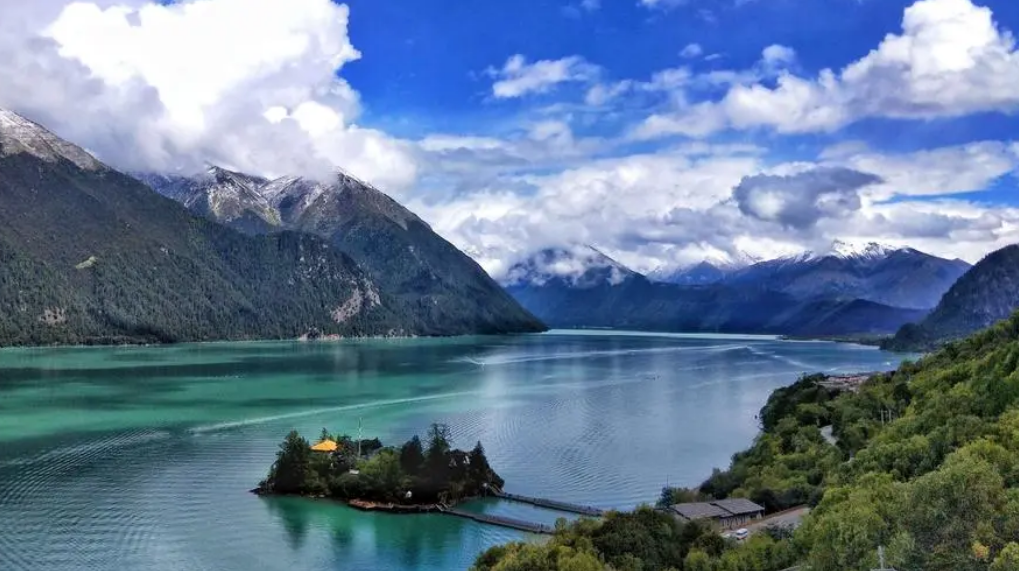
x=800 y=200
x=931 y=172
x=518 y=78
x=949 y=60
x=171 y=86
x=698 y=200
x=269 y=97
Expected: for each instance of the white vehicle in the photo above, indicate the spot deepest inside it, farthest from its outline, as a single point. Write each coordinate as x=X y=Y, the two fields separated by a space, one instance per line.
x=742 y=533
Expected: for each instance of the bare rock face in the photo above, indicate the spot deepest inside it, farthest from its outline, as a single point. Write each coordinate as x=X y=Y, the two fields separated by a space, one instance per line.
x=363 y=297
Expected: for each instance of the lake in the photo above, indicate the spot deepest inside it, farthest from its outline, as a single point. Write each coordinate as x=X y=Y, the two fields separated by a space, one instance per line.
x=141 y=458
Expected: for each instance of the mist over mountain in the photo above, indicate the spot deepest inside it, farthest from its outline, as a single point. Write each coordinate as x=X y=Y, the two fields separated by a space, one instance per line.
x=579 y=286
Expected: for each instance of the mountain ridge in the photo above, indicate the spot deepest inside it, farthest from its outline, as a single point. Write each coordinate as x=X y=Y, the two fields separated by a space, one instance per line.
x=987 y=293
x=394 y=246
x=92 y=255
x=592 y=296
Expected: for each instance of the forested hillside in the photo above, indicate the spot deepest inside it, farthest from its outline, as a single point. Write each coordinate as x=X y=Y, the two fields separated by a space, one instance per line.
x=90 y=255
x=988 y=292
x=926 y=464
x=427 y=276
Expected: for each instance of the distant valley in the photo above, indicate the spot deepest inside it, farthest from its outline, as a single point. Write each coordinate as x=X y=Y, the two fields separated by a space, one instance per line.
x=868 y=289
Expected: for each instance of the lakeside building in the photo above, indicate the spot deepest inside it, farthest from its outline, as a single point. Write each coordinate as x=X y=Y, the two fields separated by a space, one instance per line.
x=728 y=514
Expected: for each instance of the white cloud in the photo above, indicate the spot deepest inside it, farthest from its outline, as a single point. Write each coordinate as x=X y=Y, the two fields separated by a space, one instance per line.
x=682 y=204
x=949 y=60
x=662 y=4
x=776 y=56
x=691 y=51
x=518 y=77
x=941 y=171
x=264 y=97
x=186 y=84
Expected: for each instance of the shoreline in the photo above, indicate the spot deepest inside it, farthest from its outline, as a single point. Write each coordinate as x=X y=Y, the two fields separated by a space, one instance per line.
x=301 y=339
x=371 y=506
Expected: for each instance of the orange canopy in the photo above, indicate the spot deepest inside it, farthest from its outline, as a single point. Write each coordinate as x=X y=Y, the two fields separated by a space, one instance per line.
x=325 y=446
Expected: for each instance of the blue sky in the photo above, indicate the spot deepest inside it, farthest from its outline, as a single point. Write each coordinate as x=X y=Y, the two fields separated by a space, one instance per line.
x=663 y=131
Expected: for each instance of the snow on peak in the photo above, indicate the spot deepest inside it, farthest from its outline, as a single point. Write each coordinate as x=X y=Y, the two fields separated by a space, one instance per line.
x=859 y=250
x=732 y=261
x=20 y=135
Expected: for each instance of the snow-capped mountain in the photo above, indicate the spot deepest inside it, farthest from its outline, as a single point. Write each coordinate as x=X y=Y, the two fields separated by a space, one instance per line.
x=229 y=197
x=578 y=286
x=292 y=195
x=578 y=266
x=711 y=270
x=852 y=251
x=20 y=135
x=424 y=272
x=900 y=277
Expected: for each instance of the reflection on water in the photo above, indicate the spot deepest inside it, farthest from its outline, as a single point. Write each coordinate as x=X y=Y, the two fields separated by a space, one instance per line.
x=142 y=458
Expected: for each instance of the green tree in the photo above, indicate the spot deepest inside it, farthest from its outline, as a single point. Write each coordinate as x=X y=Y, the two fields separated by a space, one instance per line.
x=438 y=449
x=1008 y=559
x=385 y=475
x=290 y=472
x=412 y=456
x=697 y=560
x=479 y=468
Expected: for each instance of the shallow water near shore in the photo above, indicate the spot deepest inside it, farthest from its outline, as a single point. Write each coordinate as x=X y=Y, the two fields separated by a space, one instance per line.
x=141 y=458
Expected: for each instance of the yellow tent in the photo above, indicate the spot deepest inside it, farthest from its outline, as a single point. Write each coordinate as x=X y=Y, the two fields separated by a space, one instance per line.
x=325 y=446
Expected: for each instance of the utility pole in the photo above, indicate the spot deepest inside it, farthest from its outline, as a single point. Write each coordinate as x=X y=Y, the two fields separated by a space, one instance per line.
x=359 y=438
x=881 y=560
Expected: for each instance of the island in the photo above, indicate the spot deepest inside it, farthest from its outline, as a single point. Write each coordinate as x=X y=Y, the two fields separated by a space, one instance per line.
x=415 y=477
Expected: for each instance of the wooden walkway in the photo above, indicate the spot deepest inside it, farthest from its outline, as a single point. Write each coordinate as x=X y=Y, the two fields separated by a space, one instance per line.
x=551 y=504
x=501 y=521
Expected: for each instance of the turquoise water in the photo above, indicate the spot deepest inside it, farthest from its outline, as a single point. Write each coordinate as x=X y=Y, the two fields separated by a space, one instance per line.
x=141 y=458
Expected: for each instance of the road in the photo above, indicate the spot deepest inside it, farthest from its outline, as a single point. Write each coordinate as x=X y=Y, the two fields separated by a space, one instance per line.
x=789 y=518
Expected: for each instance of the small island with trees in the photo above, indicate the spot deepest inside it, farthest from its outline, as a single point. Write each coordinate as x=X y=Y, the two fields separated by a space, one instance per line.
x=415 y=477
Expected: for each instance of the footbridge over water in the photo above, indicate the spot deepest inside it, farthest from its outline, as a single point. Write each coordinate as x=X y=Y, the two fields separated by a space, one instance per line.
x=521 y=525
x=586 y=511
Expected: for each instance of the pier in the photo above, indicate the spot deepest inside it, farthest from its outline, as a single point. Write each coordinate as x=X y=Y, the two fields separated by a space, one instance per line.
x=501 y=521
x=587 y=511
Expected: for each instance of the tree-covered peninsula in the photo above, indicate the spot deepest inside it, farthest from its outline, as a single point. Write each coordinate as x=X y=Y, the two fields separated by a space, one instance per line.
x=366 y=472
x=923 y=461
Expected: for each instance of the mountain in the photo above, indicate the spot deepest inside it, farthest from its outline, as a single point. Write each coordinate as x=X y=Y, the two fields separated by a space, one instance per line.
x=987 y=293
x=91 y=255
x=222 y=195
x=429 y=277
x=898 y=277
x=581 y=287
x=710 y=271
x=576 y=266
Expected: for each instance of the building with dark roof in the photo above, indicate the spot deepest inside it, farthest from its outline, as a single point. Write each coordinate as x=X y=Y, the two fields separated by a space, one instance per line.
x=730 y=513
